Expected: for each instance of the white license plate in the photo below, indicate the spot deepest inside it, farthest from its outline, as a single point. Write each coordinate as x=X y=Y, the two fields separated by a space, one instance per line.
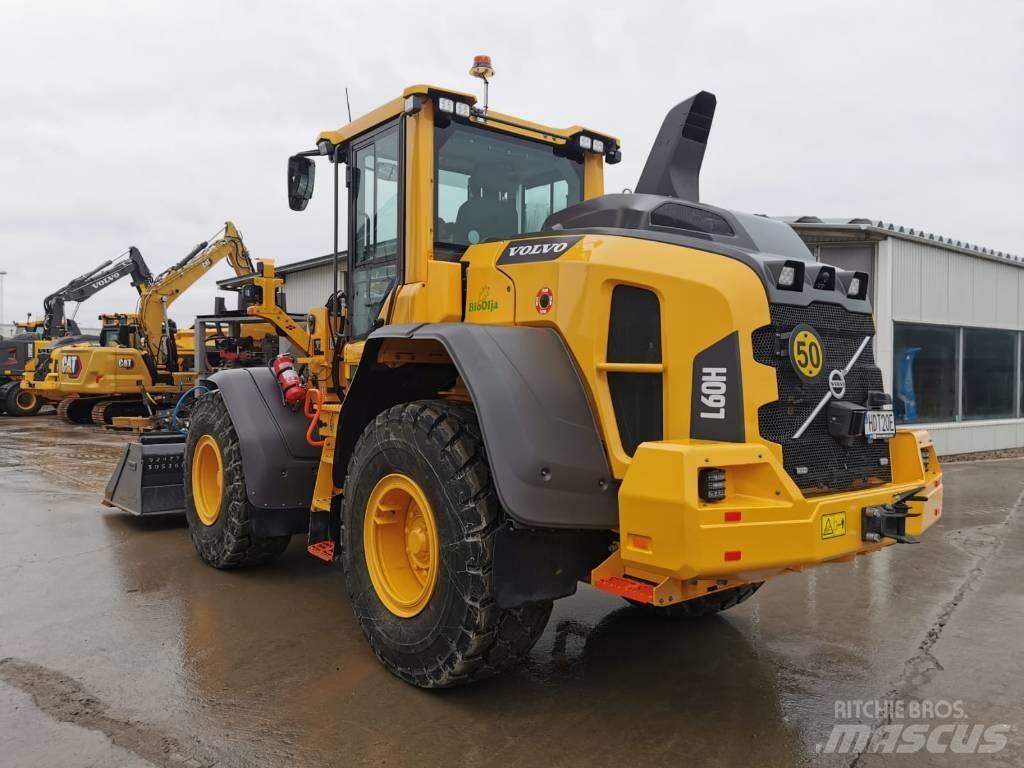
x=879 y=424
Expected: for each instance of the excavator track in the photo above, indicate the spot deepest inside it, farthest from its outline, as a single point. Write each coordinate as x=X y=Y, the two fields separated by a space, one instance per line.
x=76 y=410
x=105 y=411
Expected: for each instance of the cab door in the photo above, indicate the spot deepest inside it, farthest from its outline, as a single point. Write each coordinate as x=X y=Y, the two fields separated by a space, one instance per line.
x=375 y=226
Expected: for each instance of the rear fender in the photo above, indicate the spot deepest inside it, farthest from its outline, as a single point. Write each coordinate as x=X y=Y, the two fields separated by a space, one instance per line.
x=279 y=465
x=546 y=455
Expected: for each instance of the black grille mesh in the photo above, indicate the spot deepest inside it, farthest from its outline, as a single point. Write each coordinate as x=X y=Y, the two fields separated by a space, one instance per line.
x=634 y=336
x=826 y=466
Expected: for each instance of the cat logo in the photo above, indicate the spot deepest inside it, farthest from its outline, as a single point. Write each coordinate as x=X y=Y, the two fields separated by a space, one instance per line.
x=126 y=363
x=70 y=365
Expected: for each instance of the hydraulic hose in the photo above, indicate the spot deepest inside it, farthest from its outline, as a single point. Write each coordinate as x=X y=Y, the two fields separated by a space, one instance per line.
x=177 y=406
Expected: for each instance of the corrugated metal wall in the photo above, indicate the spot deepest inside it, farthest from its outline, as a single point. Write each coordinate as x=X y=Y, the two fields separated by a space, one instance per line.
x=933 y=285
x=942 y=287
x=310 y=287
x=972 y=436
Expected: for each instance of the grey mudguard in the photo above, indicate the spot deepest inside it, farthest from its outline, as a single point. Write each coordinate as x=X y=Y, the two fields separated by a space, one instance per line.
x=279 y=465
x=545 y=451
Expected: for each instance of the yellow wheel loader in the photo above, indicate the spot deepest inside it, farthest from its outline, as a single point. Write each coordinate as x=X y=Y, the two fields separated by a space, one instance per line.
x=136 y=367
x=29 y=350
x=533 y=383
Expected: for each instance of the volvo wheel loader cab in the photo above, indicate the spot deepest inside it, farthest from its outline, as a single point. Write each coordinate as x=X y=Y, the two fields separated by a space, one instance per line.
x=136 y=367
x=534 y=383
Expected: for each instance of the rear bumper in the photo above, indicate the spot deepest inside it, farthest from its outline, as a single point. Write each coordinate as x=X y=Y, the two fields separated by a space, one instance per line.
x=764 y=525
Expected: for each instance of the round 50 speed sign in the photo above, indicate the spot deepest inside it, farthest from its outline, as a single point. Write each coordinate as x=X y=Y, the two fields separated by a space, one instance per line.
x=806 y=352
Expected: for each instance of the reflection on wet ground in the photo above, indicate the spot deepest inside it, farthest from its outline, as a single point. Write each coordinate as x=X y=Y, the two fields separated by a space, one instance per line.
x=120 y=647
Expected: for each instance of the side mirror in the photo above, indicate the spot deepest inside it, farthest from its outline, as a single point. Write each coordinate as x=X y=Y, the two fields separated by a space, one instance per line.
x=301 y=175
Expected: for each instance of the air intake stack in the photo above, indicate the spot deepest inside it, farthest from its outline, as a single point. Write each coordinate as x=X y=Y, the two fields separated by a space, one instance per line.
x=673 y=168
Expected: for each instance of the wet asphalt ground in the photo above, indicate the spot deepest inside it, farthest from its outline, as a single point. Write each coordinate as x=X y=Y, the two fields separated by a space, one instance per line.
x=119 y=648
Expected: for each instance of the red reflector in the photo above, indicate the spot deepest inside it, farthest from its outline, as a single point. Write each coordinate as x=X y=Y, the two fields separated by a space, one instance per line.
x=733 y=517
x=733 y=554
x=642 y=543
x=938 y=482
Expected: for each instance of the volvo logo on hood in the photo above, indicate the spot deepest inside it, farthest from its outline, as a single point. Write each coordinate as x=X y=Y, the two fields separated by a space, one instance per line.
x=537 y=249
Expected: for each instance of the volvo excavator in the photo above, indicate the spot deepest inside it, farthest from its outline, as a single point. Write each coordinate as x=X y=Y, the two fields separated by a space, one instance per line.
x=31 y=349
x=534 y=383
x=135 y=369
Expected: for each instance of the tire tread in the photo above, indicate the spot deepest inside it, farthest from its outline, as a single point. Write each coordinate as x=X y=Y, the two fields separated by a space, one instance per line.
x=236 y=547
x=489 y=640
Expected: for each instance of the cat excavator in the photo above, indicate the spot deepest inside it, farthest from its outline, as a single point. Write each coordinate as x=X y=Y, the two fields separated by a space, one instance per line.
x=533 y=384
x=31 y=348
x=135 y=368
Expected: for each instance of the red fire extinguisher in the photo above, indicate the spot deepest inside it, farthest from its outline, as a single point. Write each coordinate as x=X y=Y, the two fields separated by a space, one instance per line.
x=289 y=380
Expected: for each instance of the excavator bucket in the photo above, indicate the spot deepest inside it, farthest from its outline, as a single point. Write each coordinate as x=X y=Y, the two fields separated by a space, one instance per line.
x=149 y=478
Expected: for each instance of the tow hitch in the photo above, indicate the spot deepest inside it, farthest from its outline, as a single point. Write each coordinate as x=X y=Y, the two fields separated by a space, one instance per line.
x=889 y=521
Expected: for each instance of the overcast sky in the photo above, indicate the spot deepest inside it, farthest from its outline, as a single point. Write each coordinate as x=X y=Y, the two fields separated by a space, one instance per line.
x=150 y=124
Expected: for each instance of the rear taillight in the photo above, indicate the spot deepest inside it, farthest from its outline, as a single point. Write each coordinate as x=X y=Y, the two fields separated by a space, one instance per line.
x=711 y=484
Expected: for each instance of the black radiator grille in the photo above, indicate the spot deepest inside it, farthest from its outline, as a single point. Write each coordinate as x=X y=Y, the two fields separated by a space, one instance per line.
x=817 y=462
x=634 y=336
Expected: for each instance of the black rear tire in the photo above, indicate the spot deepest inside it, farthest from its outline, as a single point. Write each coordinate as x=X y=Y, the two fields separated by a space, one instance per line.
x=460 y=635
x=20 y=402
x=229 y=542
x=707 y=605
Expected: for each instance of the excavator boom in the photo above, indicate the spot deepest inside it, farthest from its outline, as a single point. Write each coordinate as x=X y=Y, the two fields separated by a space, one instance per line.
x=130 y=264
x=156 y=298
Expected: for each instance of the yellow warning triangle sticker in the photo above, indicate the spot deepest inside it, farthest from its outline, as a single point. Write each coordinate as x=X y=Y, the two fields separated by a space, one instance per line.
x=828 y=527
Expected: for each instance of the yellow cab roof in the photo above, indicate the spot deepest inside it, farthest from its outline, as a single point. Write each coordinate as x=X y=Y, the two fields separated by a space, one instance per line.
x=492 y=119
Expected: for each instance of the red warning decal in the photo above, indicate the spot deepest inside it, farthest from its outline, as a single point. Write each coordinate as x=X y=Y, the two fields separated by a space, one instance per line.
x=545 y=301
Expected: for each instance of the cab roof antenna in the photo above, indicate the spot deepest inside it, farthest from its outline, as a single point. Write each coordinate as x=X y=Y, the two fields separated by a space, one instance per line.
x=482 y=68
x=347 y=105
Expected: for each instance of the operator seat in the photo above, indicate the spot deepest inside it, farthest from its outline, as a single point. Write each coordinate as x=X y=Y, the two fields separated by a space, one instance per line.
x=485 y=213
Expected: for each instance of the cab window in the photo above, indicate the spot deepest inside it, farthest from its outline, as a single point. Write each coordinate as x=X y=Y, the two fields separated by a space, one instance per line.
x=374 y=227
x=493 y=186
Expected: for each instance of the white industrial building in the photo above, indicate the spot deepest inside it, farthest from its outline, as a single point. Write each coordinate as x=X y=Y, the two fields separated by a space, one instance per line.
x=949 y=317
x=309 y=283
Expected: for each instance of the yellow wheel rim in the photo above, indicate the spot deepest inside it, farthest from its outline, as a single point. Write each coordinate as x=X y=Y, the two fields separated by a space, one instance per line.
x=207 y=479
x=400 y=540
x=25 y=400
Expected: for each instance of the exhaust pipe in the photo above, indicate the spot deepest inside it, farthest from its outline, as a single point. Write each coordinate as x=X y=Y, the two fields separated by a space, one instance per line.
x=673 y=167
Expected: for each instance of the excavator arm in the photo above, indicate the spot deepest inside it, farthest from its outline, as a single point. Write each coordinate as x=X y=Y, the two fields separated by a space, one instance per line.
x=131 y=264
x=157 y=297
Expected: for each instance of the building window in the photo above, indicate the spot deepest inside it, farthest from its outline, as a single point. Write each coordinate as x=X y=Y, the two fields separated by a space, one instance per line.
x=924 y=373
x=989 y=366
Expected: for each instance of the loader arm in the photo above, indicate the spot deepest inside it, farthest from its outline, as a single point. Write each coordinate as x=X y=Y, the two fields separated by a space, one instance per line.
x=157 y=298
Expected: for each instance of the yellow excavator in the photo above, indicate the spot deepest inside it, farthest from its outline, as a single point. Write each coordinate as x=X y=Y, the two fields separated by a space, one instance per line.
x=136 y=368
x=534 y=384
x=30 y=349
